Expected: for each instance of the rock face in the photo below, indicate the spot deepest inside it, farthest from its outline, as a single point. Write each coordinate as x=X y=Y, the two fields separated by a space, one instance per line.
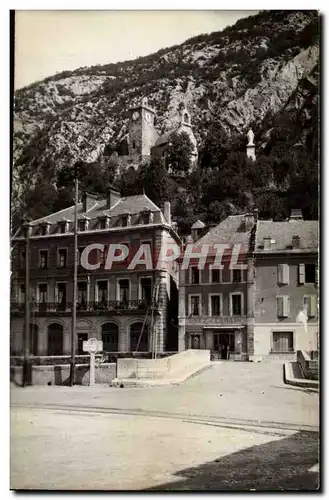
x=239 y=76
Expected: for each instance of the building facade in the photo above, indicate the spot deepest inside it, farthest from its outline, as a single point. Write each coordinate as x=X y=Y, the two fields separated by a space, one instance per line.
x=266 y=311
x=128 y=309
x=286 y=288
x=214 y=302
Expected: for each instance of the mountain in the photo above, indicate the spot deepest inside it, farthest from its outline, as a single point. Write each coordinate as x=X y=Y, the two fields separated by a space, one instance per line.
x=260 y=71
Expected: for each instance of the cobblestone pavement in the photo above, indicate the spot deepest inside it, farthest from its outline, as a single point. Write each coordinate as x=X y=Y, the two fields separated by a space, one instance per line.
x=235 y=426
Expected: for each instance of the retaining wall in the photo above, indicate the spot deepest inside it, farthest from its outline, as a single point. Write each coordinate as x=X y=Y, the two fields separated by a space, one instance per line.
x=59 y=374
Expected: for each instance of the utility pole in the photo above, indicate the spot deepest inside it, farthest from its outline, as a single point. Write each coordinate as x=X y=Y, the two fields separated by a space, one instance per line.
x=27 y=367
x=75 y=279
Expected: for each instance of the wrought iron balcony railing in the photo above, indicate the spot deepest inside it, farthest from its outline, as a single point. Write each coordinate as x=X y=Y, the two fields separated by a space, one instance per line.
x=112 y=305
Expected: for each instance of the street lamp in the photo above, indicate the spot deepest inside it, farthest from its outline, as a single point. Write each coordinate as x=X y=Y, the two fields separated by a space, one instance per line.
x=27 y=363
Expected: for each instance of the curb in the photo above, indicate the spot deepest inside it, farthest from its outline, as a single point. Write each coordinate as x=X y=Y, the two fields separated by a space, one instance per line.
x=131 y=382
x=298 y=382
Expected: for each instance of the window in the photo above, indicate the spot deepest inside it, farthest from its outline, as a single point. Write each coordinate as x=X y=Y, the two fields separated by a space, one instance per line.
x=283 y=342
x=110 y=335
x=63 y=227
x=236 y=275
x=82 y=337
x=43 y=261
x=62 y=257
x=123 y=287
x=146 y=289
x=82 y=293
x=134 y=145
x=283 y=306
x=102 y=287
x=195 y=276
x=42 y=293
x=61 y=295
x=145 y=218
x=310 y=273
x=236 y=304
x=283 y=274
x=215 y=305
x=102 y=223
x=82 y=225
x=125 y=220
x=43 y=230
x=195 y=305
x=215 y=275
x=311 y=302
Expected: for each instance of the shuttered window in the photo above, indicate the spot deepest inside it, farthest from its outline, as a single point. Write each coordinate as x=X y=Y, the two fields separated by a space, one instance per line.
x=301 y=274
x=283 y=342
x=311 y=302
x=283 y=274
x=283 y=306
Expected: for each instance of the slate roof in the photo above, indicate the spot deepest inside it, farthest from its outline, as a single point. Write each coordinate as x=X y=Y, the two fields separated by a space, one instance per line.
x=163 y=139
x=132 y=205
x=281 y=234
x=231 y=231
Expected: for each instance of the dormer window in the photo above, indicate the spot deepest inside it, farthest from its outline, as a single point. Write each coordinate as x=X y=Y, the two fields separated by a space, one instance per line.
x=83 y=224
x=44 y=229
x=145 y=217
x=126 y=220
x=64 y=226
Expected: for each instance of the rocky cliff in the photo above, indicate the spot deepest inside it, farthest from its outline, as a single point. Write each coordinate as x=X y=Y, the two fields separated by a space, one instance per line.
x=241 y=77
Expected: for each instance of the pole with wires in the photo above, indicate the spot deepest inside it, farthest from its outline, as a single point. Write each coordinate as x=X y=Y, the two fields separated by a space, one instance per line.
x=75 y=279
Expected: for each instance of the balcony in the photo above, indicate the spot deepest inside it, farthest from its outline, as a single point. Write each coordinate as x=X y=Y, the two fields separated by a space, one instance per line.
x=216 y=320
x=112 y=306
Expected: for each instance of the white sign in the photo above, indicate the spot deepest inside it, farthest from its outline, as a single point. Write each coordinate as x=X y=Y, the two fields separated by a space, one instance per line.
x=92 y=345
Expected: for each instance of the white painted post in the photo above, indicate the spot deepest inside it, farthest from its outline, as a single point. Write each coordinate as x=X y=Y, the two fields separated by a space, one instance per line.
x=92 y=369
x=92 y=346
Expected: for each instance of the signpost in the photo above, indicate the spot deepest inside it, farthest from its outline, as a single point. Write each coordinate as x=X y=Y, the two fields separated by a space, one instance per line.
x=92 y=346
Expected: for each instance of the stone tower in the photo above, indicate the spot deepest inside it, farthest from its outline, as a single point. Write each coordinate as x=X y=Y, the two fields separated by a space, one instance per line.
x=142 y=134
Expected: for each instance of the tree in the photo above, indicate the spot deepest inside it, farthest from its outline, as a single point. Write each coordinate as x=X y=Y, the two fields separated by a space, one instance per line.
x=155 y=180
x=179 y=152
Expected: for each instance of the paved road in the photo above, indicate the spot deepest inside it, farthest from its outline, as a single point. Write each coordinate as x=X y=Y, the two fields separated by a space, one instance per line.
x=235 y=426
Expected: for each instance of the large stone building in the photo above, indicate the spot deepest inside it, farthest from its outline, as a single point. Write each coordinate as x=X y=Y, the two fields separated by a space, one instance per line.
x=266 y=311
x=114 y=305
x=142 y=140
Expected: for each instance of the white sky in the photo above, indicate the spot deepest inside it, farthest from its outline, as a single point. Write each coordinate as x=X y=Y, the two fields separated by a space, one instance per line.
x=52 y=41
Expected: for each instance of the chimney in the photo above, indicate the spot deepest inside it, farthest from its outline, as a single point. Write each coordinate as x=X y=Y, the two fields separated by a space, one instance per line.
x=296 y=214
x=88 y=201
x=167 y=212
x=267 y=243
x=249 y=221
x=113 y=197
x=296 y=242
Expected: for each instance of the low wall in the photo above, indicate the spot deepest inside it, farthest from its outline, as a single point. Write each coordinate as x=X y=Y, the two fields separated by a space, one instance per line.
x=309 y=366
x=59 y=374
x=160 y=368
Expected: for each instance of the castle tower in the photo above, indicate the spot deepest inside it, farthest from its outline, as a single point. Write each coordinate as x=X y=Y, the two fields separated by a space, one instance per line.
x=142 y=134
x=185 y=125
x=251 y=146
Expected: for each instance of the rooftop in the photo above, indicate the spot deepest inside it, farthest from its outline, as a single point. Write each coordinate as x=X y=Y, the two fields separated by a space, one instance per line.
x=281 y=234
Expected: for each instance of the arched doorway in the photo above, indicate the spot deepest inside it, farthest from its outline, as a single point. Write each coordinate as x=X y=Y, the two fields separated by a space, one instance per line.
x=139 y=341
x=34 y=339
x=110 y=337
x=55 y=339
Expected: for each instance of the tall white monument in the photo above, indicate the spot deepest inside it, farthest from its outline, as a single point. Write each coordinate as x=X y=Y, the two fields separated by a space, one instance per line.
x=251 y=146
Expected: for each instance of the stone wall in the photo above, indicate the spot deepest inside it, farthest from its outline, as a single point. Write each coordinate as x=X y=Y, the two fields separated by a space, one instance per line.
x=59 y=374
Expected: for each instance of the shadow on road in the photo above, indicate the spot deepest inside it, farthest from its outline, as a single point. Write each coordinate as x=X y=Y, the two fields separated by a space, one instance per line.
x=278 y=465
